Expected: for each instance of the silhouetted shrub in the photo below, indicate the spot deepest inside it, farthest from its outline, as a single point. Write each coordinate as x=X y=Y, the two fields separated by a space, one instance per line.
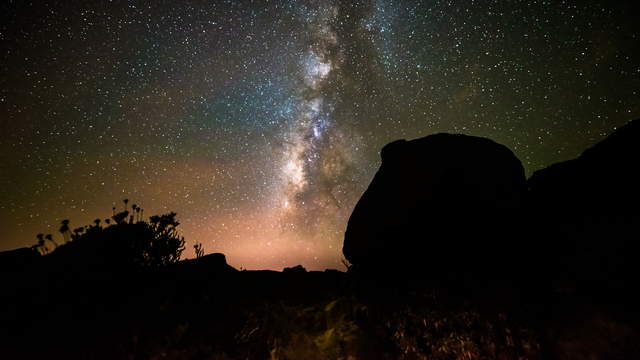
x=122 y=244
x=199 y=249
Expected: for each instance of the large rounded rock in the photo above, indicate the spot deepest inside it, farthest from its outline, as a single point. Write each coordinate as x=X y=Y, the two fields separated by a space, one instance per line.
x=442 y=205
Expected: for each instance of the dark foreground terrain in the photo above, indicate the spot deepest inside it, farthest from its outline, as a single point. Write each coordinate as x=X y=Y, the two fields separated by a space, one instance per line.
x=454 y=255
x=202 y=309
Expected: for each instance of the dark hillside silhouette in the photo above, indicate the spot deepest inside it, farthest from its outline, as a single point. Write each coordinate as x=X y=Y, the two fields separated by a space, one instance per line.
x=18 y=260
x=604 y=179
x=587 y=212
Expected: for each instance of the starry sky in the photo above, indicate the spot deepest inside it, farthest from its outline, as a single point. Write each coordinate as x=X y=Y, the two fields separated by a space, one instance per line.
x=260 y=122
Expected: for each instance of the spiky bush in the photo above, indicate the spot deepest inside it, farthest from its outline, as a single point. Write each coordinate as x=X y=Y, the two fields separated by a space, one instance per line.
x=126 y=242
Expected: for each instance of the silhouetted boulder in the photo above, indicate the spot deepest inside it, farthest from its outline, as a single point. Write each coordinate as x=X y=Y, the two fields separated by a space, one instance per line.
x=214 y=261
x=443 y=206
x=587 y=211
x=205 y=268
x=298 y=269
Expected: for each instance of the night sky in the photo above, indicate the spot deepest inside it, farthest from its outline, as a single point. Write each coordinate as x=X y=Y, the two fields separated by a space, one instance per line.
x=260 y=122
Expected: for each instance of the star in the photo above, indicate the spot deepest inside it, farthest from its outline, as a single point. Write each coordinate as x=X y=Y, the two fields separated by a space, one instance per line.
x=260 y=123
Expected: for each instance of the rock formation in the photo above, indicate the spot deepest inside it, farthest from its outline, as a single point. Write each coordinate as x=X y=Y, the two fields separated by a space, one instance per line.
x=456 y=207
x=604 y=179
x=438 y=203
x=588 y=214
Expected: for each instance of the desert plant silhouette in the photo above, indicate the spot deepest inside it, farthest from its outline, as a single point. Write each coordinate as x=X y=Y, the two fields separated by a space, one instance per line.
x=199 y=249
x=39 y=246
x=64 y=230
x=122 y=243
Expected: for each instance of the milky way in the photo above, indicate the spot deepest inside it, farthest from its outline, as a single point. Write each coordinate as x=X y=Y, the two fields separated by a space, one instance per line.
x=260 y=123
x=316 y=157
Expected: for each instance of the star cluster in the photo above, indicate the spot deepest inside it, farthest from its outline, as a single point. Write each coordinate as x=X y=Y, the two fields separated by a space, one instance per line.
x=260 y=122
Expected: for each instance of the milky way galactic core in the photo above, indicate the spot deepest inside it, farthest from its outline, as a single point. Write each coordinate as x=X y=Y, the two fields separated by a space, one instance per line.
x=260 y=122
